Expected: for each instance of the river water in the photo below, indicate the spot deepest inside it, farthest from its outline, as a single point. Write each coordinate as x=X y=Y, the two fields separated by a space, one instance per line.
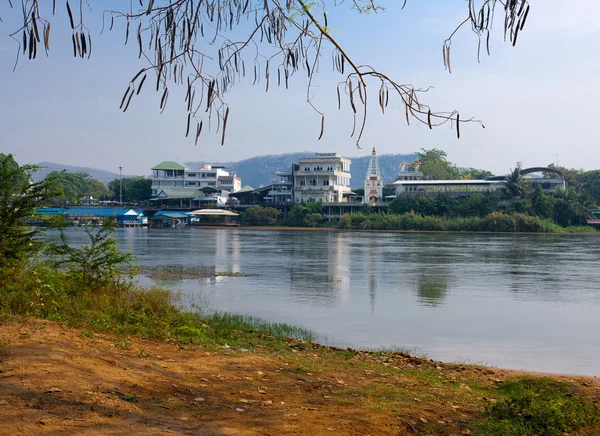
x=513 y=301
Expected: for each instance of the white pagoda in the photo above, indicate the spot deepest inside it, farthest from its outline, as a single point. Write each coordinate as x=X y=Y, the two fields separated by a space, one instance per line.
x=373 y=181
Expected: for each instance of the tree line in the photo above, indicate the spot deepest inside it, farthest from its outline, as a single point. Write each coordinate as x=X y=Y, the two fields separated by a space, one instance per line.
x=75 y=186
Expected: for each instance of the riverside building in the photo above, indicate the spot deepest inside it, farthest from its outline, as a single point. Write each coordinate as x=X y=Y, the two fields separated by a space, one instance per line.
x=206 y=184
x=325 y=178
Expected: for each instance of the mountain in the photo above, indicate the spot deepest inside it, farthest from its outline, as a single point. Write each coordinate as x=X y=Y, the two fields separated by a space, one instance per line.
x=260 y=170
x=102 y=175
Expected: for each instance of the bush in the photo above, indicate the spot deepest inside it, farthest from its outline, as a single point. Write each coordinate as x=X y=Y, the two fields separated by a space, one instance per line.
x=263 y=216
x=539 y=406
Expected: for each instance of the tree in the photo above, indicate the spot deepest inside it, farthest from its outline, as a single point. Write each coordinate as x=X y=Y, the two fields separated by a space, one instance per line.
x=72 y=185
x=209 y=45
x=135 y=189
x=95 y=263
x=475 y=174
x=542 y=203
x=96 y=189
x=258 y=215
x=513 y=185
x=435 y=166
x=19 y=197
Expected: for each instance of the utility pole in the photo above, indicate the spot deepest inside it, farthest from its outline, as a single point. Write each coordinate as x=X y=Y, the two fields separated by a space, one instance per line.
x=556 y=154
x=121 y=185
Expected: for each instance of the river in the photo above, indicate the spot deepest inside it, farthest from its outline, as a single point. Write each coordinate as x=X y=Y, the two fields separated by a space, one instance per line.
x=514 y=301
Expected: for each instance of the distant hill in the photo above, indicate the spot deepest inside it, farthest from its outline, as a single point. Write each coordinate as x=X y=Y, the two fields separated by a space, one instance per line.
x=102 y=175
x=260 y=170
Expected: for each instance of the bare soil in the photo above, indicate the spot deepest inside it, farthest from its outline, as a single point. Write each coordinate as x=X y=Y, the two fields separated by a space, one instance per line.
x=60 y=380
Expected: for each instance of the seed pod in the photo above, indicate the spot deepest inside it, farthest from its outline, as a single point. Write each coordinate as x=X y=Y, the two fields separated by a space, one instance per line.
x=457 y=125
x=187 y=128
x=224 y=126
x=74 y=45
x=70 y=15
x=124 y=97
x=322 y=126
x=140 y=85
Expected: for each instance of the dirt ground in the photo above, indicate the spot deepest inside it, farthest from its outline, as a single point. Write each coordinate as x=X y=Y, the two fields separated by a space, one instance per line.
x=59 y=380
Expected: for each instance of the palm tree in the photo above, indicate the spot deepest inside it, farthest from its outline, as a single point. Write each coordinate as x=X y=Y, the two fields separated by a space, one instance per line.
x=514 y=185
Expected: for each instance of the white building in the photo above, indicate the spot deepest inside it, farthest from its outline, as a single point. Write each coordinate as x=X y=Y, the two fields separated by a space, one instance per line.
x=325 y=178
x=173 y=180
x=280 y=191
x=373 y=181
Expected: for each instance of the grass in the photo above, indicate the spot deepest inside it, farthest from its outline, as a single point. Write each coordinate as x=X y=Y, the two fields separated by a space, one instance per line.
x=121 y=308
x=537 y=406
x=178 y=272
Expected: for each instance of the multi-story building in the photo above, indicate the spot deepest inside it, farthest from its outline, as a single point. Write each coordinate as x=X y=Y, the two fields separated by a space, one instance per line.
x=281 y=190
x=373 y=181
x=325 y=178
x=173 y=180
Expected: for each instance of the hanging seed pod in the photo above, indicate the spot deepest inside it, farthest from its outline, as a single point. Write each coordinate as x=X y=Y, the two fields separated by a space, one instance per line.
x=141 y=84
x=322 y=126
x=124 y=97
x=187 y=128
x=457 y=125
x=70 y=15
x=224 y=126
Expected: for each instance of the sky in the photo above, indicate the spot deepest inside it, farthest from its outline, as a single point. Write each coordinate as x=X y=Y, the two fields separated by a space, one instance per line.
x=538 y=100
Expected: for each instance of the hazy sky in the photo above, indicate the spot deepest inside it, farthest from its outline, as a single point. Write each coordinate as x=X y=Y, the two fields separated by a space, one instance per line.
x=536 y=100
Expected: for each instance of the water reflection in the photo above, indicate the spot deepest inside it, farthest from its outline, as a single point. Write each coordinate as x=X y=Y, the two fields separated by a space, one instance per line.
x=431 y=288
x=509 y=300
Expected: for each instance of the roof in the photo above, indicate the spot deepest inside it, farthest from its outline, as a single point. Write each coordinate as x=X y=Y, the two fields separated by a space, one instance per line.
x=447 y=182
x=176 y=193
x=88 y=211
x=170 y=165
x=213 y=212
x=169 y=214
x=246 y=188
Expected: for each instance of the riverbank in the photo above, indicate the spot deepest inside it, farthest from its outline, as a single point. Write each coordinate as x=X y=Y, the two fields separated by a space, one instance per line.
x=57 y=378
x=112 y=358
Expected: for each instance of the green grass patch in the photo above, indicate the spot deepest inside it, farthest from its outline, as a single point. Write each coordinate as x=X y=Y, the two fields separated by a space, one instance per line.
x=121 y=308
x=178 y=272
x=537 y=406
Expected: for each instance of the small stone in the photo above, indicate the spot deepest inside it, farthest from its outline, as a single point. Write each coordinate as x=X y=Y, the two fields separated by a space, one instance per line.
x=3 y=403
x=44 y=421
x=243 y=400
x=199 y=399
x=184 y=418
x=262 y=390
x=259 y=372
x=267 y=403
x=466 y=431
x=417 y=400
x=422 y=419
x=52 y=390
x=239 y=409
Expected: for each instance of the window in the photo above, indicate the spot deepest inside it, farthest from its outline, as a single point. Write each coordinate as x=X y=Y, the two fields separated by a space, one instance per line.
x=191 y=174
x=302 y=183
